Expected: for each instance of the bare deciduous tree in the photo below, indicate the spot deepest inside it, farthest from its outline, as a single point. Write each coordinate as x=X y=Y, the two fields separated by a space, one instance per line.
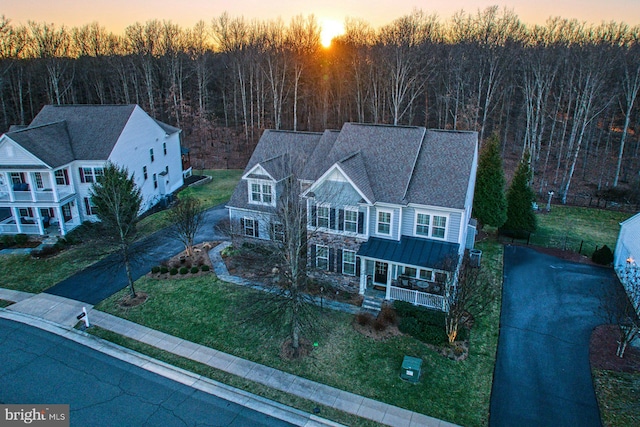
x=187 y=217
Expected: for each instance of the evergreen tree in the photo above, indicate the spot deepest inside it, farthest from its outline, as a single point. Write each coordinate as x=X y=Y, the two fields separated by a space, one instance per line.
x=490 y=204
x=117 y=200
x=520 y=198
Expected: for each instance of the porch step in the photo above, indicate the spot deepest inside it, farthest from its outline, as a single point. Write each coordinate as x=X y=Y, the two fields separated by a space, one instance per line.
x=372 y=304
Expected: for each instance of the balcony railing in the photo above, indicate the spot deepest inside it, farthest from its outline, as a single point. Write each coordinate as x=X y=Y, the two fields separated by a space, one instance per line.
x=424 y=299
x=36 y=196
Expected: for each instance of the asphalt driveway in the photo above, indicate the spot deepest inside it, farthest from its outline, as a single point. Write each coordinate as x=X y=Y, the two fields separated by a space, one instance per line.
x=549 y=309
x=106 y=277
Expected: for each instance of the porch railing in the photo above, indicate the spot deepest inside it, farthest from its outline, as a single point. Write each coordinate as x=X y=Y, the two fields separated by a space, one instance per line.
x=8 y=229
x=424 y=299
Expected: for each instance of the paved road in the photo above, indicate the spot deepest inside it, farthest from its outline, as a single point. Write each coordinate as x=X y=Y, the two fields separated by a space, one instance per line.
x=549 y=309
x=104 y=278
x=43 y=368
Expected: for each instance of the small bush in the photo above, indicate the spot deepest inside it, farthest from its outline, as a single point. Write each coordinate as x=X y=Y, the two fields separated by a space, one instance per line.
x=164 y=269
x=8 y=240
x=364 y=319
x=379 y=324
x=388 y=315
x=173 y=271
x=21 y=239
x=184 y=270
x=602 y=256
x=194 y=270
x=421 y=323
x=46 y=251
x=204 y=267
x=155 y=269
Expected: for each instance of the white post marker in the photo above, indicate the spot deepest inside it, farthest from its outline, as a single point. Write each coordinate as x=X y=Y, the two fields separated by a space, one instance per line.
x=84 y=316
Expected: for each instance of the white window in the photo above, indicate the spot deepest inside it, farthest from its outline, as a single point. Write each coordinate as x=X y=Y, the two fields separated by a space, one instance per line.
x=39 y=183
x=89 y=207
x=384 y=222
x=151 y=154
x=144 y=173
x=99 y=173
x=322 y=257
x=86 y=175
x=349 y=262
x=277 y=232
x=261 y=193
x=439 y=226
x=155 y=181
x=61 y=177
x=422 y=224
x=428 y=225
x=426 y=275
x=249 y=227
x=410 y=271
x=351 y=221
x=322 y=213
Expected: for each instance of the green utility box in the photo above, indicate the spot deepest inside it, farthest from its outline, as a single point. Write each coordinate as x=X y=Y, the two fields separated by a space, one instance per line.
x=411 y=369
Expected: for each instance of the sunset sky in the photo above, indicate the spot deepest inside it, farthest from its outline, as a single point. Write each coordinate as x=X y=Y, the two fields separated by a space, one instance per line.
x=117 y=14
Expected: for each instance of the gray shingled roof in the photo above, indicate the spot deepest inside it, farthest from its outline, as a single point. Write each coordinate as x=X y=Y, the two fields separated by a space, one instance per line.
x=93 y=129
x=50 y=143
x=281 y=153
x=443 y=169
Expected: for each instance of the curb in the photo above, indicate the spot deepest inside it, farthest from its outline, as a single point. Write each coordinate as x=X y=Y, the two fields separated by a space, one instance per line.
x=199 y=382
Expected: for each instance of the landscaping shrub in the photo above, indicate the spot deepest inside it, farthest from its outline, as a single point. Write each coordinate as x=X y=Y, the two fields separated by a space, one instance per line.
x=388 y=315
x=46 y=251
x=155 y=269
x=364 y=319
x=204 y=267
x=379 y=324
x=602 y=256
x=173 y=271
x=194 y=270
x=421 y=323
x=184 y=270
x=8 y=240
x=164 y=269
x=21 y=239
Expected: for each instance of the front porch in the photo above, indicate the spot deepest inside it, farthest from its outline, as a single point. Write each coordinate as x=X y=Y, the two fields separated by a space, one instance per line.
x=414 y=270
x=40 y=220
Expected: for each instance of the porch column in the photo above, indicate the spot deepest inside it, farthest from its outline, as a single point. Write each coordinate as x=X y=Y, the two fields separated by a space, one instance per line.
x=31 y=181
x=363 y=276
x=16 y=214
x=54 y=187
x=60 y=220
x=39 y=221
x=388 y=288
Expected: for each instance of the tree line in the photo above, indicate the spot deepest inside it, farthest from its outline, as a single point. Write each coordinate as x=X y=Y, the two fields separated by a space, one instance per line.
x=565 y=91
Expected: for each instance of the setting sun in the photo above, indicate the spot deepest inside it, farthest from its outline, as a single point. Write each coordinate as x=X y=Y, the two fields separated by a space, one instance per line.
x=330 y=29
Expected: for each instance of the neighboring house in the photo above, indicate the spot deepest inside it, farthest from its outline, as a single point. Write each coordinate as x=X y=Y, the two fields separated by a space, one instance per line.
x=48 y=167
x=626 y=260
x=388 y=207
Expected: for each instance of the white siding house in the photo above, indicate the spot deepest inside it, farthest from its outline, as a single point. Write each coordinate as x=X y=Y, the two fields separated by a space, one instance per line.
x=48 y=167
x=627 y=258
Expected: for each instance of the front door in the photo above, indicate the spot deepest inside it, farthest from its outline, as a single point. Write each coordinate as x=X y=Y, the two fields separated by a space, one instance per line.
x=381 y=272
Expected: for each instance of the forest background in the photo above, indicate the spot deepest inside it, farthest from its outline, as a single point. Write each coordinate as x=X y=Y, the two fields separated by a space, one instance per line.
x=565 y=91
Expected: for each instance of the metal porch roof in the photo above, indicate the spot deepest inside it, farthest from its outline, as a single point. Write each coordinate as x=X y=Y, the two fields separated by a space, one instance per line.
x=411 y=251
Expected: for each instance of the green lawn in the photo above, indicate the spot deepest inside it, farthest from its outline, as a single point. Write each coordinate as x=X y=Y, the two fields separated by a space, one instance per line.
x=209 y=311
x=216 y=191
x=24 y=273
x=566 y=227
x=618 y=397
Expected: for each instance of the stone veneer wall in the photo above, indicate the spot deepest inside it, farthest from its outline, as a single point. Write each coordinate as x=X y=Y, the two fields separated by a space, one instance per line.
x=335 y=242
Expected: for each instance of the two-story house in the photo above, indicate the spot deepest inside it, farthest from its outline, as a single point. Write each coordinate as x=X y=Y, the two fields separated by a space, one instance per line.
x=388 y=207
x=47 y=168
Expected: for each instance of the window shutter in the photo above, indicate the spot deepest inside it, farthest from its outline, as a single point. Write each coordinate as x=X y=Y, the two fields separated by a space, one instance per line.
x=339 y=261
x=332 y=253
x=87 y=206
x=332 y=218
x=358 y=266
x=341 y=219
x=255 y=224
x=314 y=216
x=241 y=226
x=66 y=176
x=81 y=175
x=360 y=222
x=313 y=255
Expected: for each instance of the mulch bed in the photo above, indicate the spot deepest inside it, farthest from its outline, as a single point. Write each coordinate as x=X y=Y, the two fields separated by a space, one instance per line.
x=199 y=258
x=602 y=351
x=128 y=302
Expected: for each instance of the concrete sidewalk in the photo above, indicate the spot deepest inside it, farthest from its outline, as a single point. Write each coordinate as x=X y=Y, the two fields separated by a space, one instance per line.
x=37 y=309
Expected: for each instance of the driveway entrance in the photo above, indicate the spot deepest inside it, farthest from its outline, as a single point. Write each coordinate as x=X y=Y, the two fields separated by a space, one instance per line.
x=549 y=309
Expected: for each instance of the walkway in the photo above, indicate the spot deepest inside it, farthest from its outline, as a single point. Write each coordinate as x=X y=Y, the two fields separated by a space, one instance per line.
x=58 y=315
x=549 y=309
